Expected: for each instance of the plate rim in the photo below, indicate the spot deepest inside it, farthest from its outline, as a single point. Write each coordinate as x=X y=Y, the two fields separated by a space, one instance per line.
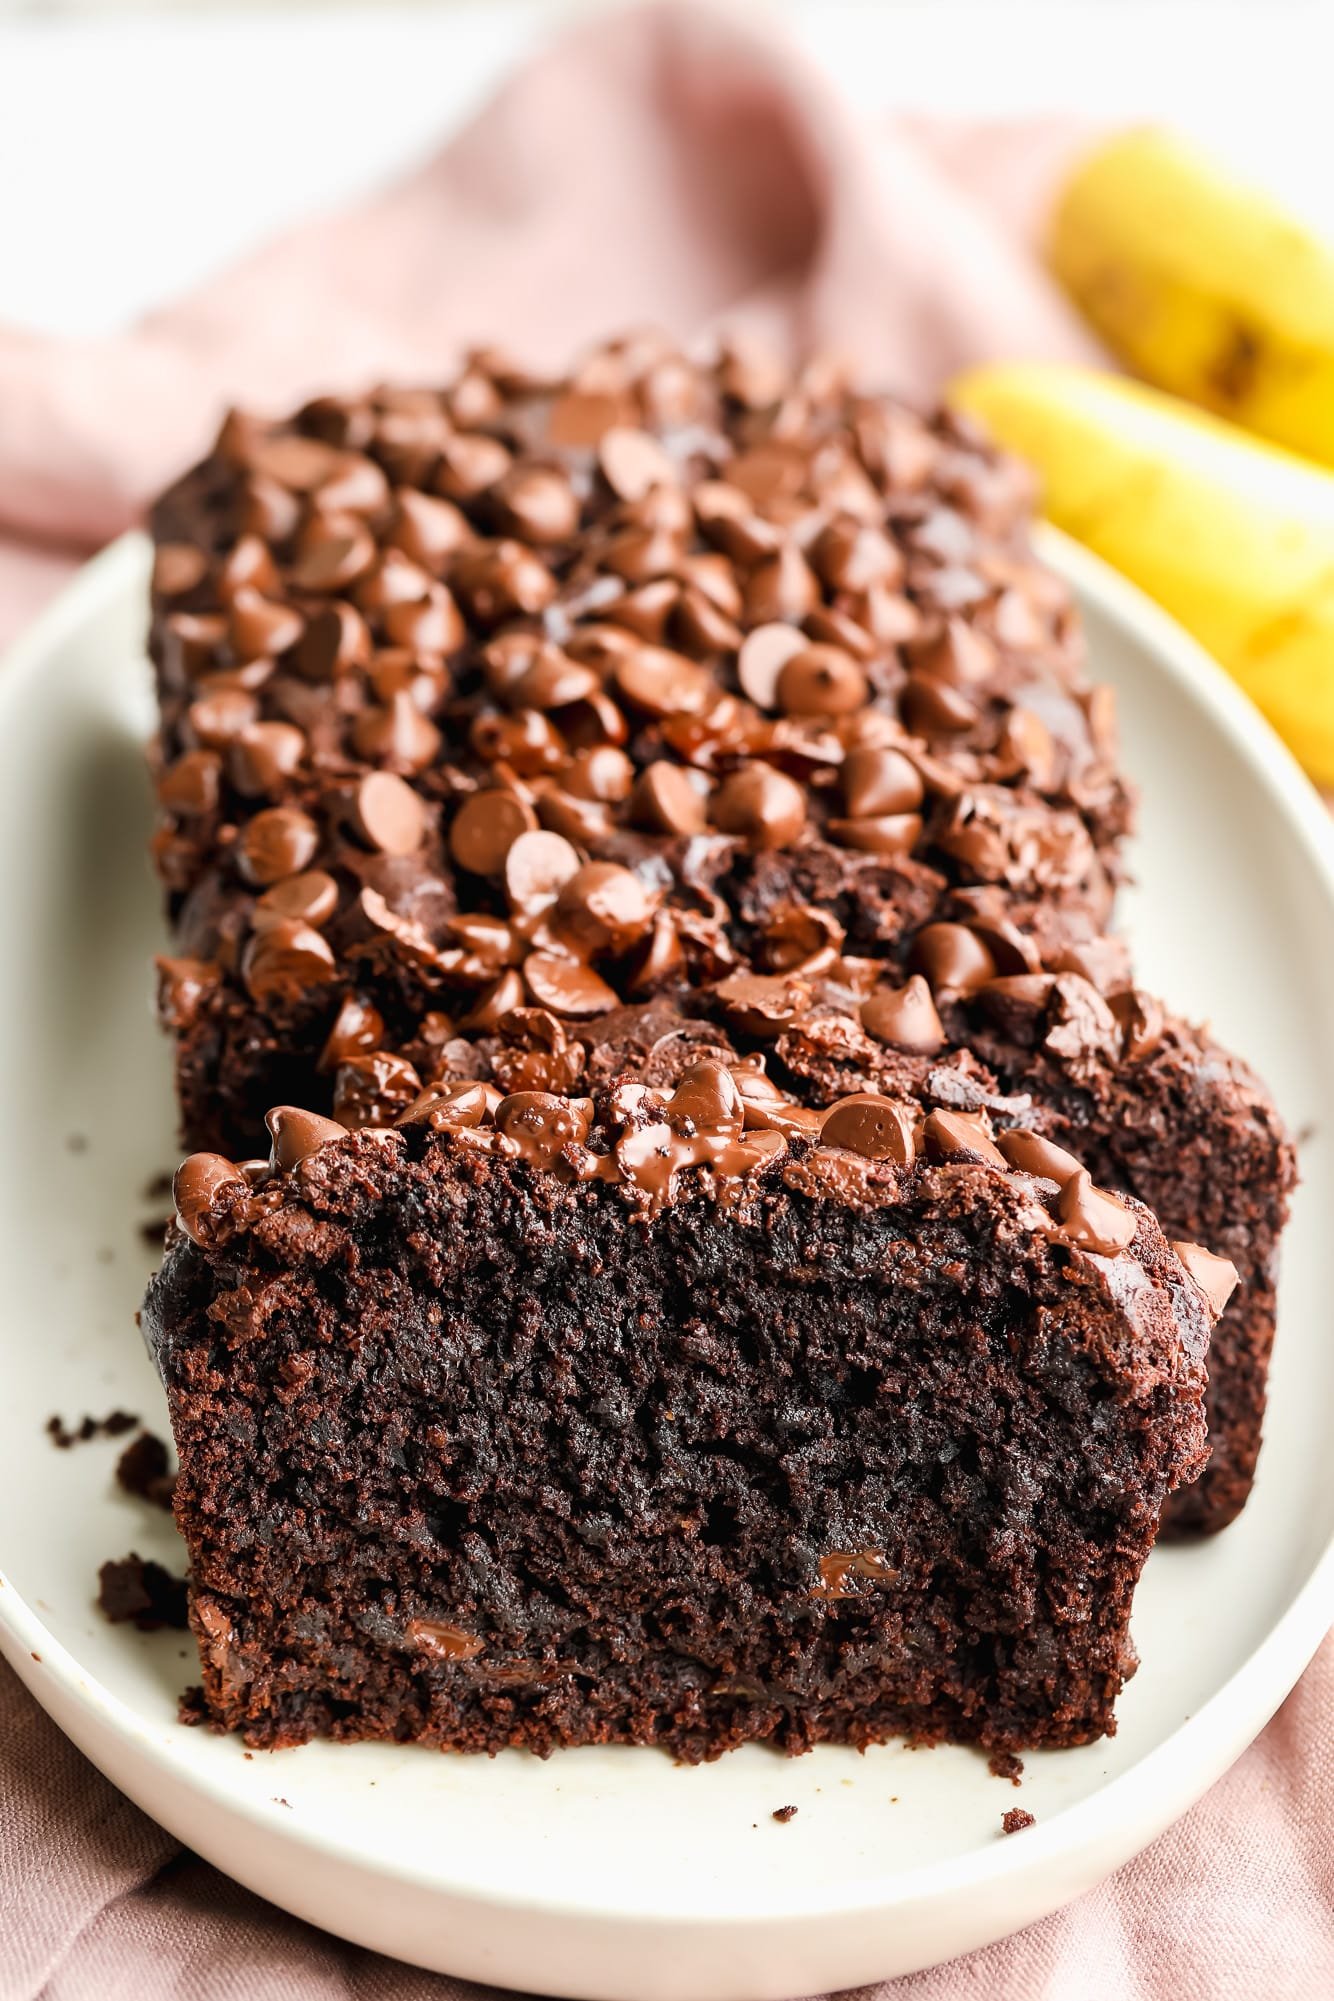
x=1121 y=1815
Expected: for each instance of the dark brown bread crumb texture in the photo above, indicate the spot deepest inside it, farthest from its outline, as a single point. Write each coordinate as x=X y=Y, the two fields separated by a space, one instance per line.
x=476 y=1454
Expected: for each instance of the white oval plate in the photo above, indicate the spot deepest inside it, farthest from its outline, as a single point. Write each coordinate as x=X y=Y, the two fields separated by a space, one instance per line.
x=614 y=1873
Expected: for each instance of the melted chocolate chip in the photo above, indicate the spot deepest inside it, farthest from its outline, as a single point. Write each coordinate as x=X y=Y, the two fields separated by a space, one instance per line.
x=296 y=1135
x=905 y=1018
x=1215 y=1276
x=961 y=1136
x=875 y=1127
x=197 y=1181
x=1092 y=1219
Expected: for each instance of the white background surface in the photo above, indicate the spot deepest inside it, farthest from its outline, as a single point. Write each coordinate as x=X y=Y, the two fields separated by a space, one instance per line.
x=140 y=151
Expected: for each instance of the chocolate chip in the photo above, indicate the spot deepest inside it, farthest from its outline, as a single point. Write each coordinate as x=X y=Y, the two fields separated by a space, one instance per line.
x=388 y=814
x=603 y=908
x=197 y=1180
x=763 y=806
x=783 y=589
x=217 y=718
x=372 y=1089
x=278 y=842
x=527 y=742
x=177 y=568
x=765 y=1106
x=297 y=1134
x=331 y=556
x=248 y=565
x=904 y=1018
x=358 y=1029
x=428 y=531
x=553 y=681
x=802 y=939
x=887 y=834
x=335 y=640
x=538 y=503
x=582 y=417
x=1092 y=1219
x=935 y=707
x=761 y=1005
x=707 y=1095
x=495 y=1002
x=257 y=626
x=566 y=987
x=262 y=756
x=961 y=1136
x=398 y=735
x=821 y=681
x=763 y=655
x=660 y=959
x=878 y=780
x=284 y=960
x=633 y=462
x=877 y=1128
x=503 y=580
x=486 y=827
x=667 y=799
x=1033 y=1153
x=441 y=1106
x=300 y=464
x=1215 y=1276
x=1026 y=741
x=311 y=898
x=664 y=683
x=958 y=655
x=431 y=624
x=469 y=464
x=183 y=986
x=603 y=773
x=852 y=556
x=392 y=583
x=190 y=787
x=537 y=867
x=539 y=1125
x=953 y=958
x=1140 y=1018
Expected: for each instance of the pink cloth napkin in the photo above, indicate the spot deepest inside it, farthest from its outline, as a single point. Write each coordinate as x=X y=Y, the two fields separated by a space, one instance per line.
x=671 y=165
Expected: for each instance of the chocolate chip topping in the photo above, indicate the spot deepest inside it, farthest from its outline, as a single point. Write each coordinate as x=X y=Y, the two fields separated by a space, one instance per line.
x=961 y=1136
x=953 y=959
x=388 y=814
x=277 y=843
x=1031 y=1153
x=875 y=1127
x=635 y=618
x=1215 y=1276
x=904 y=1017
x=297 y=1134
x=197 y=1180
x=1094 y=1219
x=761 y=658
x=764 y=807
x=603 y=908
x=486 y=827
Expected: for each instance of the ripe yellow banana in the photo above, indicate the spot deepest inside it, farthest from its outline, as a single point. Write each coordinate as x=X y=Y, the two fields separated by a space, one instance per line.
x=1203 y=286
x=1233 y=536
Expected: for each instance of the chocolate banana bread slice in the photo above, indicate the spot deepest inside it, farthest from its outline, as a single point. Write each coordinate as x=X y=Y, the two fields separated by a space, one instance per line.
x=1150 y=1103
x=679 y=1416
